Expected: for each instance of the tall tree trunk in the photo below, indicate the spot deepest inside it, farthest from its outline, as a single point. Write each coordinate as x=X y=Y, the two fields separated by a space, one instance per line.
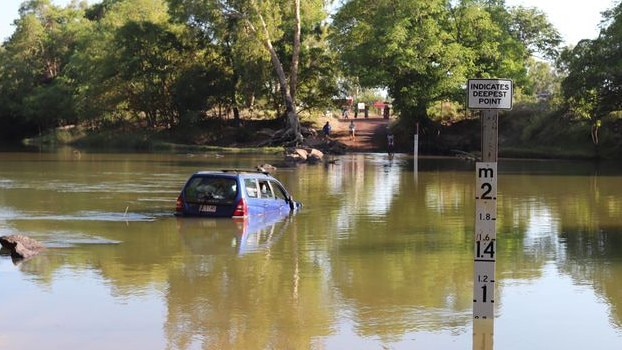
x=293 y=82
x=292 y=117
x=236 y=78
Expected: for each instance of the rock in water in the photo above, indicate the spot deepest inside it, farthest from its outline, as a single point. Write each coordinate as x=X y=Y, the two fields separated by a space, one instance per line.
x=266 y=168
x=20 y=246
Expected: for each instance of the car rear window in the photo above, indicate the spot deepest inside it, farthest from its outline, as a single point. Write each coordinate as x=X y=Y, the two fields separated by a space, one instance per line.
x=204 y=189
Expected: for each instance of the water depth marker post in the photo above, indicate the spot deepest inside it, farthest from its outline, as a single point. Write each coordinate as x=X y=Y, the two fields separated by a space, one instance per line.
x=485 y=245
x=488 y=96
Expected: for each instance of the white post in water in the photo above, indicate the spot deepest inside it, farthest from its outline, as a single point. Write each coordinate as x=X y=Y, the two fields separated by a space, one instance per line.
x=487 y=95
x=416 y=144
x=485 y=247
x=416 y=150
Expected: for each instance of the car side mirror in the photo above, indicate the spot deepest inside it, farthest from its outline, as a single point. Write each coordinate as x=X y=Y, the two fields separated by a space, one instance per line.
x=292 y=204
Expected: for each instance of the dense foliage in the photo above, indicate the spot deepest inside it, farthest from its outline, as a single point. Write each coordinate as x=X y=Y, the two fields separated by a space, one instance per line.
x=425 y=51
x=594 y=72
x=155 y=64
x=189 y=64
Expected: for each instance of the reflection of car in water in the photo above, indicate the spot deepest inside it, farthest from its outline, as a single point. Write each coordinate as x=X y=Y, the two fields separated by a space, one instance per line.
x=239 y=236
x=233 y=193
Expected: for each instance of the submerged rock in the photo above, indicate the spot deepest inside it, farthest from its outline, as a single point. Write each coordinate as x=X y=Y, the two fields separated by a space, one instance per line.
x=301 y=155
x=266 y=168
x=20 y=246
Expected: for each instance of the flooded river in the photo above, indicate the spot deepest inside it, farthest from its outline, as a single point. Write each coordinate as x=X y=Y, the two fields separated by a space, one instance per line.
x=379 y=257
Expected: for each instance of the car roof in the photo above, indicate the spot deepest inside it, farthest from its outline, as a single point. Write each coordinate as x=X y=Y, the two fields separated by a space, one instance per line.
x=235 y=173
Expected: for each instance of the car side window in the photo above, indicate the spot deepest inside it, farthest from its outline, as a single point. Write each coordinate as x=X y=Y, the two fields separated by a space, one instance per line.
x=265 y=189
x=251 y=188
x=279 y=191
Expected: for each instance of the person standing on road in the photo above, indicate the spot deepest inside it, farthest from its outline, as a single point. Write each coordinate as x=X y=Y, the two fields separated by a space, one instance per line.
x=326 y=130
x=352 y=129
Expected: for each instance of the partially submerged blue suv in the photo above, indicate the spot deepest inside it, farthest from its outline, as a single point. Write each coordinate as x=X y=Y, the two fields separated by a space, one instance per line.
x=233 y=193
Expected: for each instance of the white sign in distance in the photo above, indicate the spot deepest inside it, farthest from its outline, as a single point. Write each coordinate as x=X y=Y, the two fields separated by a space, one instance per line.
x=489 y=94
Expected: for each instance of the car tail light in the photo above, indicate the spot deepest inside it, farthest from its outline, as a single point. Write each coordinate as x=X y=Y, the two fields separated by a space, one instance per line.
x=180 y=205
x=241 y=209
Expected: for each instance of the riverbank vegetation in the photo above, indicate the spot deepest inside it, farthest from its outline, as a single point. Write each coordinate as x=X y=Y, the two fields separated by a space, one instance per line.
x=140 y=74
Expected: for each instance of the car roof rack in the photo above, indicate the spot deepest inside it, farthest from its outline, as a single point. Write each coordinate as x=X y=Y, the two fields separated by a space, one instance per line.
x=256 y=170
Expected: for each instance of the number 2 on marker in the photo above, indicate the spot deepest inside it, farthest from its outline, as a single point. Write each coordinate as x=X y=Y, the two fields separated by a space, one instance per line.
x=487 y=187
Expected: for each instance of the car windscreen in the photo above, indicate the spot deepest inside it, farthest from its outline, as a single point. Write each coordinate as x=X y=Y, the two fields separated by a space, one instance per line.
x=211 y=189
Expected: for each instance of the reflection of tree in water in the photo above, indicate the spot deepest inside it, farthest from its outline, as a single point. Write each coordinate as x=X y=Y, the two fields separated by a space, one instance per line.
x=406 y=275
x=594 y=256
x=252 y=301
x=404 y=289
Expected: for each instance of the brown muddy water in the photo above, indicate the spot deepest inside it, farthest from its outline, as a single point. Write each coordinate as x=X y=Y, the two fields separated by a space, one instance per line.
x=379 y=257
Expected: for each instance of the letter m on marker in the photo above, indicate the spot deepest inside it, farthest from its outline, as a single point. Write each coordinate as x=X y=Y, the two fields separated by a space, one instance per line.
x=486 y=173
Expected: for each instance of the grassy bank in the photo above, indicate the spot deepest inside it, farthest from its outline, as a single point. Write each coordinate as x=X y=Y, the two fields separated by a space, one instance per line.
x=221 y=140
x=523 y=133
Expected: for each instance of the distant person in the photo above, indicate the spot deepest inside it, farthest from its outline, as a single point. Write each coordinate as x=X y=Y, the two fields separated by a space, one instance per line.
x=352 y=129
x=386 y=112
x=390 y=143
x=326 y=129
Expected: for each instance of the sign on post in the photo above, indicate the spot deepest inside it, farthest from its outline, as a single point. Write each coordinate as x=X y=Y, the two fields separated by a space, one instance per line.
x=489 y=94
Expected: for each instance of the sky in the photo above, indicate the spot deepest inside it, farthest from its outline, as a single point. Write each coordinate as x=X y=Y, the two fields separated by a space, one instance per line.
x=574 y=19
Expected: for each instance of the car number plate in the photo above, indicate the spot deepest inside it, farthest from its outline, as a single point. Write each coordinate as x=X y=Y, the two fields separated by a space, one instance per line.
x=207 y=208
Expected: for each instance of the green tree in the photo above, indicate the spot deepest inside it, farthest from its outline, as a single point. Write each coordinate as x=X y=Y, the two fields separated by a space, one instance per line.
x=34 y=61
x=424 y=51
x=147 y=56
x=318 y=69
x=128 y=63
x=532 y=28
x=582 y=87
x=593 y=68
x=544 y=81
x=252 y=33
x=202 y=85
x=218 y=29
